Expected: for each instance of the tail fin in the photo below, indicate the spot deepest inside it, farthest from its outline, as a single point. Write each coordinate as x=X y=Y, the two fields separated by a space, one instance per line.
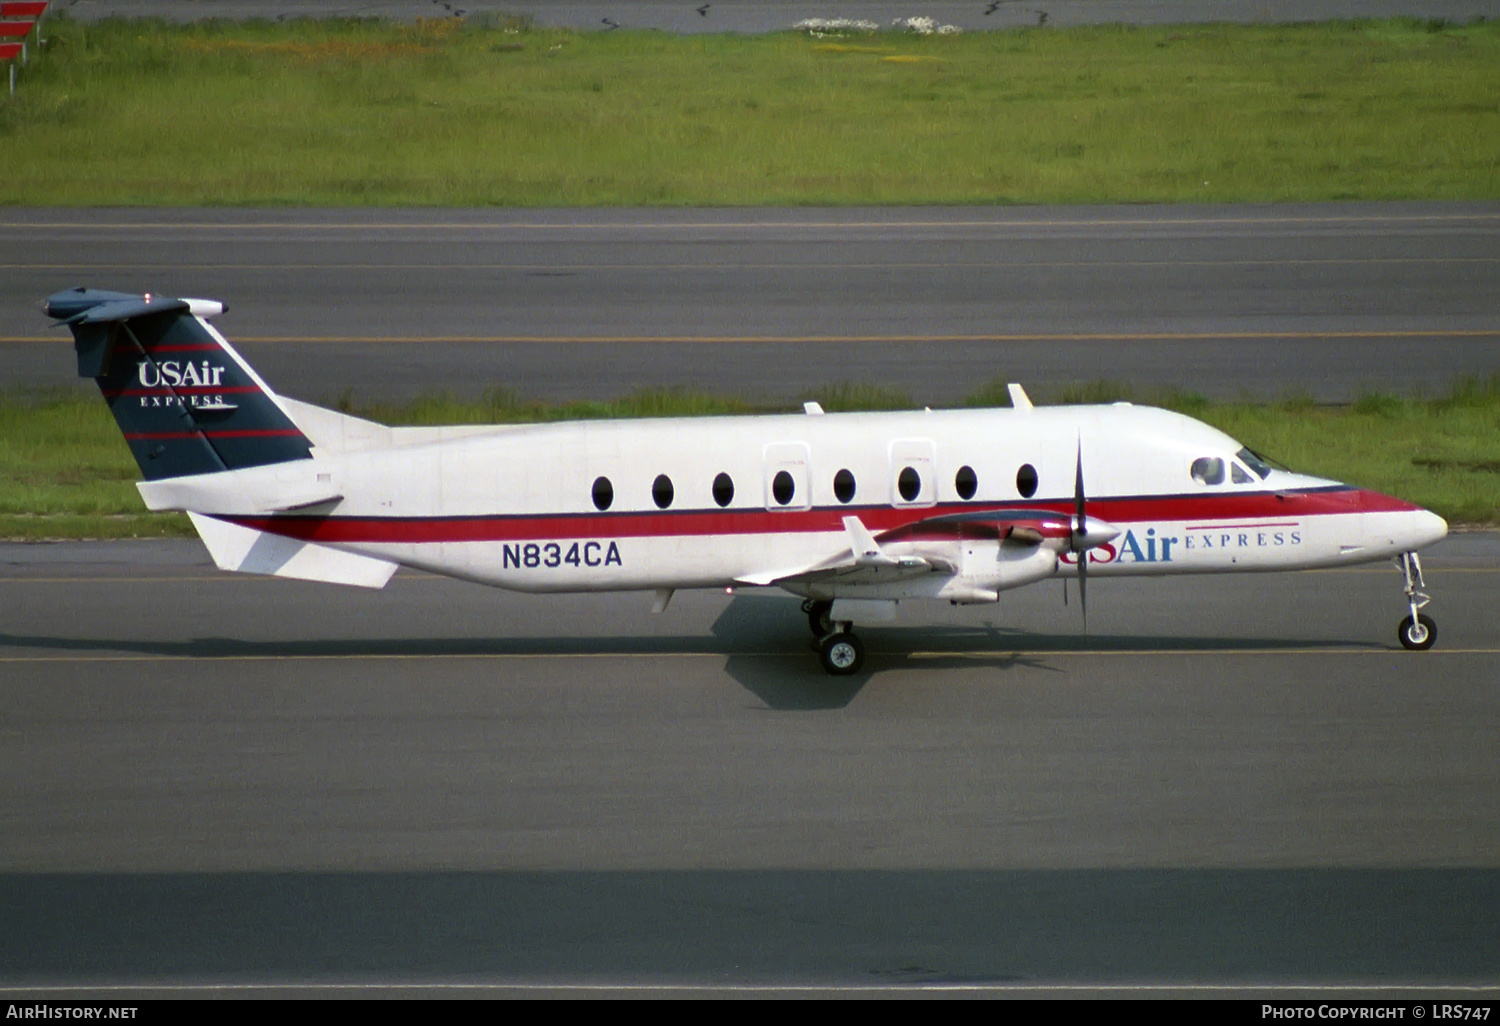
x=186 y=401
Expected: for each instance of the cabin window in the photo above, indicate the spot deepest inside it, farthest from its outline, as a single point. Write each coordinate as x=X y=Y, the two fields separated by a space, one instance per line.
x=723 y=490
x=966 y=482
x=604 y=493
x=1239 y=475
x=843 y=486
x=909 y=484
x=1026 y=480
x=783 y=488
x=661 y=491
x=1208 y=470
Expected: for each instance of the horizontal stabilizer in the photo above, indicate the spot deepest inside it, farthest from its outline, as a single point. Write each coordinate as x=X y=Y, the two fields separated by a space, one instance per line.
x=125 y=310
x=248 y=551
x=96 y=306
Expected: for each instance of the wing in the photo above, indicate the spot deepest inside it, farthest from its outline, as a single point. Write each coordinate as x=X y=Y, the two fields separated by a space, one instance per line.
x=867 y=562
x=863 y=563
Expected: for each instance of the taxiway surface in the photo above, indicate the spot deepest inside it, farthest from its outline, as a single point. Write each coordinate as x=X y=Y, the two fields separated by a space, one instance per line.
x=1232 y=782
x=1265 y=301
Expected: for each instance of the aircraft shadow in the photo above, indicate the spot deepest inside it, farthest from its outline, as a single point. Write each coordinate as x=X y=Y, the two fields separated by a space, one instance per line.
x=767 y=647
x=800 y=684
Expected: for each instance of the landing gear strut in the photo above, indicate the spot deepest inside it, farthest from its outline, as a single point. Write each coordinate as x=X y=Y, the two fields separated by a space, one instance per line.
x=819 y=616
x=1417 y=632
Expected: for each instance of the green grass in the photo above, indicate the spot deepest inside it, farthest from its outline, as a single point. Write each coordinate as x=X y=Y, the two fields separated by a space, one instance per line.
x=65 y=472
x=366 y=112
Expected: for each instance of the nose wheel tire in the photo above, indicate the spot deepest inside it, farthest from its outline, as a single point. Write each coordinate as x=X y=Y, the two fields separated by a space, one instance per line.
x=842 y=653
x=1419 y=634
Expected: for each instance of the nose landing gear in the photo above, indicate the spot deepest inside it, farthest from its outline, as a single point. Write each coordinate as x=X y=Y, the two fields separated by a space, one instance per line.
x=1418 y=631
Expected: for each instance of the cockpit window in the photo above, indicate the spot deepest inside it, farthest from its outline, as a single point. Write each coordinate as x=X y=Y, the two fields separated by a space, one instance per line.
x=1239 y=474
x=1256 y=462
x=1208 y=470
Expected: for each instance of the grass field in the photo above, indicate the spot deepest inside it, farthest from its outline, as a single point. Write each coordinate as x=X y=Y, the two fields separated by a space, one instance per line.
x=441 y=112
x=65 y=472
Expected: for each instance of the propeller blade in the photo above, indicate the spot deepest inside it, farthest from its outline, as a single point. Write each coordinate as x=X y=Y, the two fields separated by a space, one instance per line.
x=1080 y=523
x=1080 y=531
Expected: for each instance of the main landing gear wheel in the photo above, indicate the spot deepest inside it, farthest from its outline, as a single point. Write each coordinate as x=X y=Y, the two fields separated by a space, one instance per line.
x=1417 y=635
x=819 y=617
x=842 y=653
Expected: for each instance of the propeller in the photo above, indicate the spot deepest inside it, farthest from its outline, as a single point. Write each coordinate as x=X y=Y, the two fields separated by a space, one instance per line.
x=1079 y=541
x=1085 y=534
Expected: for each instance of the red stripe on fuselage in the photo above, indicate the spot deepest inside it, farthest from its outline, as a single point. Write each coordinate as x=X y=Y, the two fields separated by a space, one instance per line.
x=557 y=527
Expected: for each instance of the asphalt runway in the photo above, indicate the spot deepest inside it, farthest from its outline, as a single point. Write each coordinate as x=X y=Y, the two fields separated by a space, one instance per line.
x=685 y=16
x=1265 y=301
x=1232 y=785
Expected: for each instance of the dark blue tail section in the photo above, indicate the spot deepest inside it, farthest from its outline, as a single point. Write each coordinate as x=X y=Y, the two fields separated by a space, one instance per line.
x=186 y=401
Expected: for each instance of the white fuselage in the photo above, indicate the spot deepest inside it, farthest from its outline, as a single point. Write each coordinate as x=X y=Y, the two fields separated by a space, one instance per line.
x=515 y=506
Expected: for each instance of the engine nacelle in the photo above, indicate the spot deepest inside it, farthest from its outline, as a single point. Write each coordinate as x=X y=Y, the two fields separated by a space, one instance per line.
x=1000 y=566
